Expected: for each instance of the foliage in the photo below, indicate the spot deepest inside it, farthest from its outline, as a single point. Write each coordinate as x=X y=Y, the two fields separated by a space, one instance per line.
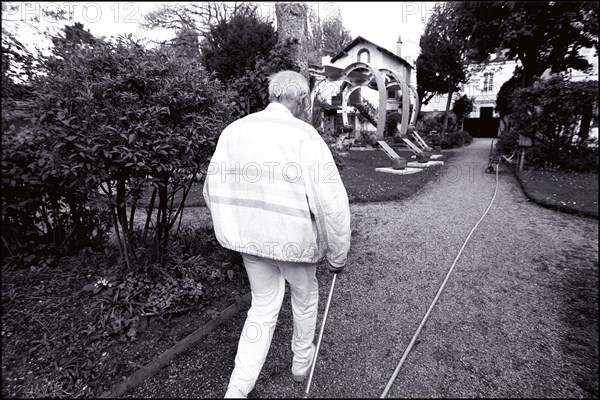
x=503 y=100
x=362 y=139
x=231 y=47
x=198 y=17
x=462 y=106
x=196 y=268
x=366 y=112
x=391 y=122
x=250 y=92
x=542 y=34
x=335 y=36
x=550 y=113
x=74 y=329
x=47 y=207
x=315 y=39
x=445 y=55
x=114 y=118
x=434 y=123
x=449 y=140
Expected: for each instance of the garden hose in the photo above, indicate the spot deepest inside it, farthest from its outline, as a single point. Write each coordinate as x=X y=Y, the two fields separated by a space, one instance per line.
x=414 y=338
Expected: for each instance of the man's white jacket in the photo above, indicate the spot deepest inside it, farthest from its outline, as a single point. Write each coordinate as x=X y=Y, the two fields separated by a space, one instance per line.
x=274 y=191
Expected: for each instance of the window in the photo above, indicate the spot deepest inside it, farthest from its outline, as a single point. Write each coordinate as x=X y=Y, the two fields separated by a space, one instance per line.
x=488 y=82
x=364 y=56
x=391 y=94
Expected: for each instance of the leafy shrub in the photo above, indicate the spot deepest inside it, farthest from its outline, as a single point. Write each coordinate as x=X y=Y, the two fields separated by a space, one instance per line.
x=449 y=140
x=549 y=112
x=367 y=112
x=435 y=123
x=113 y=118
x=391 y=123
x=462 y=106
x=47 y=206
x=196 y=271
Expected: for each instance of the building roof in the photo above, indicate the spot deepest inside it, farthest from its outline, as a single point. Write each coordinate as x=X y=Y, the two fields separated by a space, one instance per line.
x=360 y=39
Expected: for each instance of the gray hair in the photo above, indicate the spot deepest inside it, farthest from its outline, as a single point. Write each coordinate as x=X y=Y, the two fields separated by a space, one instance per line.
x=287 y=87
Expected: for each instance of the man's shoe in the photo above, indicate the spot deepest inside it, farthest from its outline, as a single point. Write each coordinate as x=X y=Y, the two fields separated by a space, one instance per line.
x=300 y=371
x=234 y=393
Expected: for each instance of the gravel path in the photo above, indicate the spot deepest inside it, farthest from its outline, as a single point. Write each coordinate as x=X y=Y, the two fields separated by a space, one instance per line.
x=503 y=327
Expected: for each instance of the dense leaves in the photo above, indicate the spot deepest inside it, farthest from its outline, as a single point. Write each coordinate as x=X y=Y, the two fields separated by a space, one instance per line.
x=541 y=34
x=232 y=47
x=335 y=36
x=445 y=55
x=112 y=119
x=250 y=92
x=462 y=106
x=550 y=113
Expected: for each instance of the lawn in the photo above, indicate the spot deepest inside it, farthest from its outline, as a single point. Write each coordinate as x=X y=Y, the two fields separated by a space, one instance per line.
x=573 y=192
x=365 y=184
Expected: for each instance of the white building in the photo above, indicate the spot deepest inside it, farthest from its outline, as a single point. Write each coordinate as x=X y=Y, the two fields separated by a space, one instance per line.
x=486 y=79
x=483 y=85
x=363 y=50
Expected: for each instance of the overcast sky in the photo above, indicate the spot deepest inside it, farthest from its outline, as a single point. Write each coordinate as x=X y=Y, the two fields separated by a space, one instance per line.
x=379 y=22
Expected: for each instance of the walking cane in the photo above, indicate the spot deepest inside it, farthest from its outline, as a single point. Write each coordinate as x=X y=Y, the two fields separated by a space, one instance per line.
x=312 y=368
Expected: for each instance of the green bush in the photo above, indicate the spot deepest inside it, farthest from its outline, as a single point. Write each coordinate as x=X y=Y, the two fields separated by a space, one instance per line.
x=449 y=140
x=549 y=112
x=110 y=120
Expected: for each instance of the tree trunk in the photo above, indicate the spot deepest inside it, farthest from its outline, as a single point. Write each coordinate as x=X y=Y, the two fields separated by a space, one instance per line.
x=450 y=93
x=292 y=23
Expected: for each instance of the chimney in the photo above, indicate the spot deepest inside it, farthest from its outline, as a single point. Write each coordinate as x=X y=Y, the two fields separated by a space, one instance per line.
x=399 y=47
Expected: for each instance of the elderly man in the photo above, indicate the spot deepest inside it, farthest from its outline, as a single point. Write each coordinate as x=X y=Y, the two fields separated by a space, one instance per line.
x=275 y=195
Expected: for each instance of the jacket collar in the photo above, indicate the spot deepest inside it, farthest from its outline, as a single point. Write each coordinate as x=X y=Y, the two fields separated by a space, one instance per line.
x=278 y=107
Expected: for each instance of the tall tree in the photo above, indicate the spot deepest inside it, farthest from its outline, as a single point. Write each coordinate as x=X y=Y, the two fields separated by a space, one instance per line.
x=198 y=16
x=315 y=41
x=192 y=22
x=231 y=47
x=335 y=35
x=445 y=55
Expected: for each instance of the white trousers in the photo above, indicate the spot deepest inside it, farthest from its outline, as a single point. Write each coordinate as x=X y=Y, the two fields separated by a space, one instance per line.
x=267 y=282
